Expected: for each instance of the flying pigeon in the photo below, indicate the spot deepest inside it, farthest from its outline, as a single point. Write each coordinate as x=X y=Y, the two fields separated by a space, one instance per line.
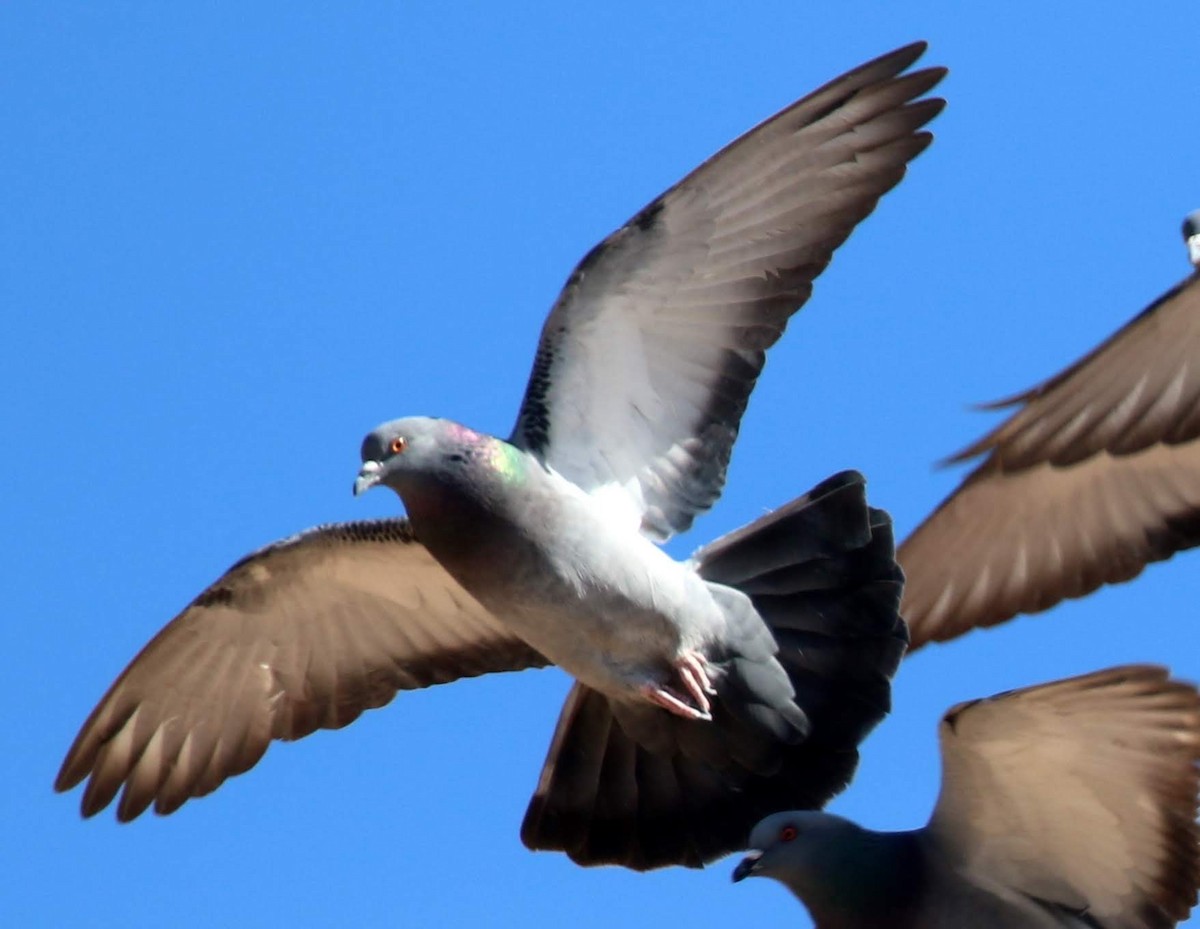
x=1094 y=477
x=1071 y=804
x=709 y=692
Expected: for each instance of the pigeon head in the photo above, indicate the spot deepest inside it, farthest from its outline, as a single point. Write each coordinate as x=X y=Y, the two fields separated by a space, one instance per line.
x=407 y=454
x=1191 y=235
x=843 y=874
x=787 y=844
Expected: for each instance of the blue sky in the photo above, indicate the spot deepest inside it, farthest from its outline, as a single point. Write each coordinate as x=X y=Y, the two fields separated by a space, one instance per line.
x=236 y=237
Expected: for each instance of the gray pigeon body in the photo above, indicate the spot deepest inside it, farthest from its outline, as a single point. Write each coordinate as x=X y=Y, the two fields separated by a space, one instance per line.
x=1095 y=476
x=1064 y=806
x=706 y=690
x=595 y=597
x=626 y=783
x=809 y=591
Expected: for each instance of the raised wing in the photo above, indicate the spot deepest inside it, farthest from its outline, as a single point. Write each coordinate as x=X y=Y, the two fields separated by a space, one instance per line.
x=1097 y=475
x=1080 y=794
x=648 y=358
x=304 y=634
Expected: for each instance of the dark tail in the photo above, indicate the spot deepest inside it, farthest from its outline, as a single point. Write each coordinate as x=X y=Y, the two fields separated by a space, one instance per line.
x=629 y=784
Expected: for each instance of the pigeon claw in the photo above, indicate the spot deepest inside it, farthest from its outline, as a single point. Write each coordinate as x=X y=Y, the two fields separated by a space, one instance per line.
x=693 y=671
x=662 y=696
x=693 y=674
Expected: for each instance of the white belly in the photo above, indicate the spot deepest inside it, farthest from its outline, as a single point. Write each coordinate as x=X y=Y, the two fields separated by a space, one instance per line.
x=605 y=603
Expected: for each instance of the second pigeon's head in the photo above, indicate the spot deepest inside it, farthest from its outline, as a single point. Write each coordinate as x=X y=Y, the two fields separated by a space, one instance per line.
x=1191 y=235
x=407 y=454
x=787 y=845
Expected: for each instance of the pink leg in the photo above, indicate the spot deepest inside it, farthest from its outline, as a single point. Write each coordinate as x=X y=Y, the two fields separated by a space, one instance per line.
x=661 y=696
x=693 y=671
x=693 y=674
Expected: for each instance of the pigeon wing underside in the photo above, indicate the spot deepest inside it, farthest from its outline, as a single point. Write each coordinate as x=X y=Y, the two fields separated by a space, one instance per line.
x=302 y=635
x=1081 y=793
x=647 y=360
x=1094 y=477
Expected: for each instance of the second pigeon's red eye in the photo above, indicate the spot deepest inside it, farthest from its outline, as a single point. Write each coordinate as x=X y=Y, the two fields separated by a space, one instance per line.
x=399 y=444
x=787 y=833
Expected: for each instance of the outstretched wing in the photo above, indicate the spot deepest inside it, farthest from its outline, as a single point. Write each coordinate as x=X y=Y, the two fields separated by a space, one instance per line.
x=1097 y=475
x=304 y=634
x=648 y=358
x=1080 y=793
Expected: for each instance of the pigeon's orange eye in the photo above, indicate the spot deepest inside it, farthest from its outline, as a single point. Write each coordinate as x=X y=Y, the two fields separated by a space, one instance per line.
x=399 y=444
x=787 y=833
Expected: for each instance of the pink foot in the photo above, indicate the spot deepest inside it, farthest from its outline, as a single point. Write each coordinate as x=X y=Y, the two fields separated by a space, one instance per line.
x=693 y=671
x=693 y=674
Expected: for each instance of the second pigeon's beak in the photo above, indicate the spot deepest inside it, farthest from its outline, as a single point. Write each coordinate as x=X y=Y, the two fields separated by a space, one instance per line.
x=747 y=867
x=368 y=476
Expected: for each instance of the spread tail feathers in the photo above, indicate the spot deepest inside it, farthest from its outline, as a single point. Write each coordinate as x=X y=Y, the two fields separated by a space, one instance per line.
x=629 y=784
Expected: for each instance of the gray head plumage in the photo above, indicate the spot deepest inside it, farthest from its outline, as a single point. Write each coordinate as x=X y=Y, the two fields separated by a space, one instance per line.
x=394 y=447
x=782 y=844
x=404 y=452
x=1191 y=235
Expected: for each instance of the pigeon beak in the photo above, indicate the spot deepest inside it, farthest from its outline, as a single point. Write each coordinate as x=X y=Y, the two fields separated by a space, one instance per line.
x=747 y=867
x=370 y=474
x=1193 y=244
